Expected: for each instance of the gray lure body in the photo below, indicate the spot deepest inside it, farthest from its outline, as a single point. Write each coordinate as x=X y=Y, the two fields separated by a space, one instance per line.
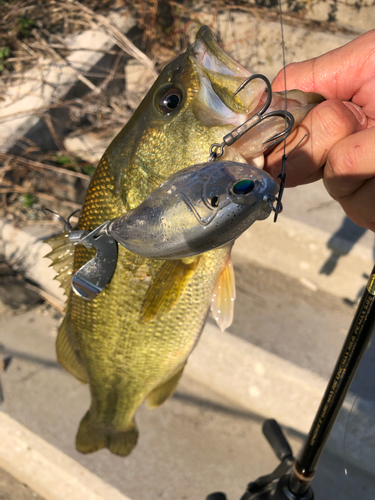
x=196 y=210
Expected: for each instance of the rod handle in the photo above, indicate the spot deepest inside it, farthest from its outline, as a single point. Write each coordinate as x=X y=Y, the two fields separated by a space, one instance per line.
x=277 y=440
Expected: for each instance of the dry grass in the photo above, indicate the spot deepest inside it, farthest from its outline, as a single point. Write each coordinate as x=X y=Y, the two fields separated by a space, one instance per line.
x=33 y=34
x=24 y=24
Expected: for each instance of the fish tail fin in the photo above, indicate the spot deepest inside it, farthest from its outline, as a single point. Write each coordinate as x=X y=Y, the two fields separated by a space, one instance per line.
x=123 y=442
x=93 y=437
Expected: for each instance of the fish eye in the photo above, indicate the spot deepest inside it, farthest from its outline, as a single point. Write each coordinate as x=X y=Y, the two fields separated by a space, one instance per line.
x=243 y=187
x=169 y=100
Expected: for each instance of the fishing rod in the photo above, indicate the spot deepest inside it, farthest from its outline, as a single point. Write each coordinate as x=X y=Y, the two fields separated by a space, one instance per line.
x=292 y=477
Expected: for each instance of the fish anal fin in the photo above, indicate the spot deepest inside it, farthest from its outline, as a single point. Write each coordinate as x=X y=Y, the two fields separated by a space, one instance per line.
x=161 y=393
x=93 y=437
x=170 y=281
x=224 y=295
x=67 y=356
x=62 y=256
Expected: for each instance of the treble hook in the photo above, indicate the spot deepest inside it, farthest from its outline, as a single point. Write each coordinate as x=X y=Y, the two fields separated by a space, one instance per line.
x=254 y=120
x=258 y=76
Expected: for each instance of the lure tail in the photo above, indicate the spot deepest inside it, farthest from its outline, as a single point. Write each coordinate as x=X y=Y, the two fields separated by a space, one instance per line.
x=93 y=437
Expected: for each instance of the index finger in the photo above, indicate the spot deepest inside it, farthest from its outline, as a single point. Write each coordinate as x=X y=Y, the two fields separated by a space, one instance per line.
x=338 y=74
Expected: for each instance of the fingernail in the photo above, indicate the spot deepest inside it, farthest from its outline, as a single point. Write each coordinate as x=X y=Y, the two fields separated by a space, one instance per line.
x=357 y=111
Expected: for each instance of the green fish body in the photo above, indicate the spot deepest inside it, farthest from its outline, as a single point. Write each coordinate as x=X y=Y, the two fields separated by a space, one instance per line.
x=131 y=343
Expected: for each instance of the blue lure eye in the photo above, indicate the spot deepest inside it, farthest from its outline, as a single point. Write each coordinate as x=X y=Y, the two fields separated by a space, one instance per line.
x=245 y=186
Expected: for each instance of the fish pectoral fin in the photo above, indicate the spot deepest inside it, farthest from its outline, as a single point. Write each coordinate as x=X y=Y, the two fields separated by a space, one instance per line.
x=93 y=437
x=224 y=295
x=170 y=281
x=67 y=356
x=62 y=256
x=159 y=395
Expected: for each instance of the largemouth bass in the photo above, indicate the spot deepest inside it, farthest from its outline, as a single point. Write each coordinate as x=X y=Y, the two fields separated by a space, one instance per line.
x=131 y=343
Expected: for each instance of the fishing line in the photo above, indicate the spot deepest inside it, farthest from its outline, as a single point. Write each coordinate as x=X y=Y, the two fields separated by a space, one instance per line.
x=283 y=49
x=236 y=47
x=282 y=176
x=58 y=217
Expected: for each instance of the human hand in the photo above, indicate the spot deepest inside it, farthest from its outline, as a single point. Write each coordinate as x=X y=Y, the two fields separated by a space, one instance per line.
x=340 y=145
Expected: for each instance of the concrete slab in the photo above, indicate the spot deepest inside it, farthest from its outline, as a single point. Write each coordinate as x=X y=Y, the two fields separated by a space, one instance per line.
x=23 y=249
x=351 y=15
x=11 y=489
x=45 y=469
x=301 y=251
x=256 y=42
x=199 y=441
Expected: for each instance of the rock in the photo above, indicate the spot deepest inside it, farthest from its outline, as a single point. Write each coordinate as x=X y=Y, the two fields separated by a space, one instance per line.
x=90 y=146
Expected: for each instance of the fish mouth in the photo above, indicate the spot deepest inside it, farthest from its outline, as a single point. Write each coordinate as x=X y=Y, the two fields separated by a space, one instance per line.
x=216 y=105
x=210 y=55
x=220 y=76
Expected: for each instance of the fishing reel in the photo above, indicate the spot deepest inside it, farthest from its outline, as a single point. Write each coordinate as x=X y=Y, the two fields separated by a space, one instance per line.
x=276 y=485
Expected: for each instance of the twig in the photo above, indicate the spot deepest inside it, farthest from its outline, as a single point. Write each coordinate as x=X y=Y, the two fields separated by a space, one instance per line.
x=120 y=39
x=38 y=165
x=111 y=74
x=86 y=49
x=53 y=301
x=13 y=188
x=49 y=197
x=48 y=121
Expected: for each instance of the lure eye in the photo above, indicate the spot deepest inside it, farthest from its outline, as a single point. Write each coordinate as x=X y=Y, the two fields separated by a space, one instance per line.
x=243 y=187
x=169 y=100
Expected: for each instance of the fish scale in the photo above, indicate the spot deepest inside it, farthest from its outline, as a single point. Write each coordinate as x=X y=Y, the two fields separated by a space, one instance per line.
x=148 y=348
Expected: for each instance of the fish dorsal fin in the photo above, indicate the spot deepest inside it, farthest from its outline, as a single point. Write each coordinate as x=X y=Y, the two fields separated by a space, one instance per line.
x=62 y=256
x=167 y=286
x=222 y=302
